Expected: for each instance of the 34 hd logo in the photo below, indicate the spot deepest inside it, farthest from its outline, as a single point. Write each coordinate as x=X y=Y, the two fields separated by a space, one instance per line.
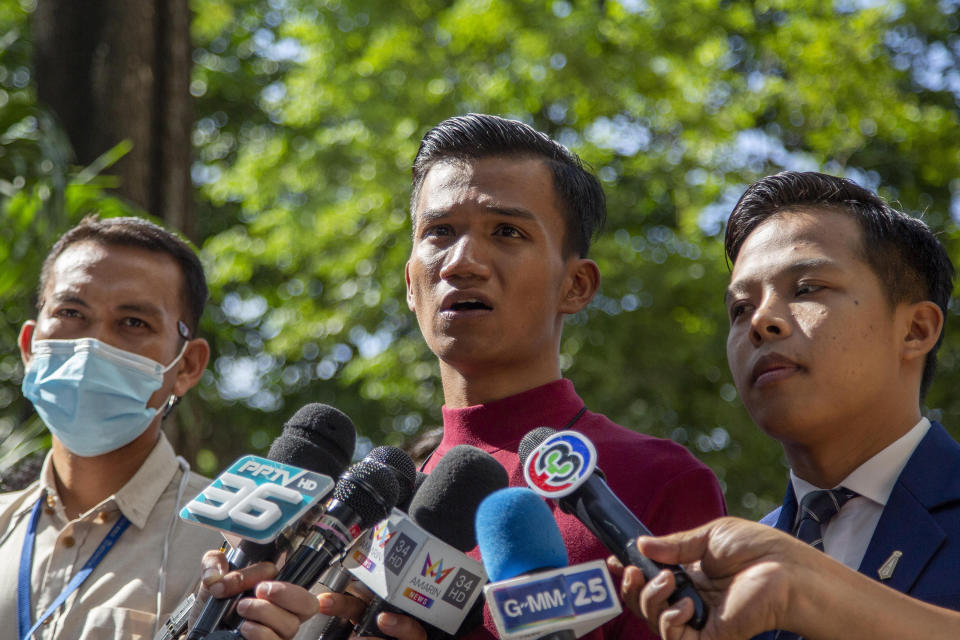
x=256 y=498
x=560 y=464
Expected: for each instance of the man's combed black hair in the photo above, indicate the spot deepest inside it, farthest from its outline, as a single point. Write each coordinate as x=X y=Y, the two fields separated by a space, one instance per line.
x=476 y=135
x=907 y=257
x=142 y=234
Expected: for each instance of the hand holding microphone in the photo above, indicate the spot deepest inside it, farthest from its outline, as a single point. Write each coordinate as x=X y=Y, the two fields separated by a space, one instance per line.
x=317 y=439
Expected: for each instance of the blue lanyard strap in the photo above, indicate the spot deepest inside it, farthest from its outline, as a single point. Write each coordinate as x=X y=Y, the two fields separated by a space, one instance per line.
x=26 y=561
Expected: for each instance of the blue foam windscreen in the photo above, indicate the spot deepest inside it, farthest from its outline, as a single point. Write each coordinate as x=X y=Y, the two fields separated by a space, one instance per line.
x=516 y=534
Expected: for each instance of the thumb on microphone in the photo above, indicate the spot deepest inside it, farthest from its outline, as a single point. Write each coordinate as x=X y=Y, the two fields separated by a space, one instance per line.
x=746 y=572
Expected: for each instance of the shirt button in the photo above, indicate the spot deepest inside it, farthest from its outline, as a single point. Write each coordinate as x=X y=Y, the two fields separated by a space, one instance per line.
x=68 y=541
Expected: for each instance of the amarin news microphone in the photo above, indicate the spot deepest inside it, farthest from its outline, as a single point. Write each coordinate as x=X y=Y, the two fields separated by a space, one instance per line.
x=444 y=507
x=532 y=592
x=562 y=465
x=318 y=438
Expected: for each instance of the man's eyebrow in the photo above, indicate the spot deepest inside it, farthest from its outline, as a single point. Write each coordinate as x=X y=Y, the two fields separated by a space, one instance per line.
x=145 y=308
x=515 y=212
x=70 y=298
x=430 y=215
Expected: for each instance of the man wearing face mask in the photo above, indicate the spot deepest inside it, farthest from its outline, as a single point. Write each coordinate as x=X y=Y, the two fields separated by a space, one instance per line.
x=93 y=548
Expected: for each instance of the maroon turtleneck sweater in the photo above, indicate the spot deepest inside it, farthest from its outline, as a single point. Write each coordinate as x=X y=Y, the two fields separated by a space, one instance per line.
x=659 y=480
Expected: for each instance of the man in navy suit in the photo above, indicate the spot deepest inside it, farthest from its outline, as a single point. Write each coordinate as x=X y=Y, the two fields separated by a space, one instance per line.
x=837 y=304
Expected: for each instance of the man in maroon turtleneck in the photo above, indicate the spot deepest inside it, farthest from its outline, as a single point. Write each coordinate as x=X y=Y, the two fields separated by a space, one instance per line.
x=502 y=222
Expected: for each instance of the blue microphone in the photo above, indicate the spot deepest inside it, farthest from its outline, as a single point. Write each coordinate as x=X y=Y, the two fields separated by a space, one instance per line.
x=517 y=534
x=532 y=591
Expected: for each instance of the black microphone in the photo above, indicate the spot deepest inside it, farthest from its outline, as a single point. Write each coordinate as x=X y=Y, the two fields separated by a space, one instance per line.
x=317 y=437
x=363 y=495
x=598 y=508
x=445 y=507
x=337 y=579
x=403 y=470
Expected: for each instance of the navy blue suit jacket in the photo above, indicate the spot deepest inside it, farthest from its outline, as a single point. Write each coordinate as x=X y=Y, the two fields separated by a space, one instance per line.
x=921 y=520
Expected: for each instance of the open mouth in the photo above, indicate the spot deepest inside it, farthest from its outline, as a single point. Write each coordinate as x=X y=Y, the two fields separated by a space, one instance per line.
x=469 y=305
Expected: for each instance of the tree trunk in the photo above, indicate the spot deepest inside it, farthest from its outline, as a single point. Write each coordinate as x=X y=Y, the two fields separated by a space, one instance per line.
x=120 y=70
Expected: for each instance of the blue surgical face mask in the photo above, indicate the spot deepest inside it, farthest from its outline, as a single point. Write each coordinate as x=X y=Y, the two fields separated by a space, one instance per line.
x=92 y=396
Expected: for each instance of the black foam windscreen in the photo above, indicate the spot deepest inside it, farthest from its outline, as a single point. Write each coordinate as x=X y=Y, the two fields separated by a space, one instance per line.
x=317 y=437
x=446 y=504
x=403 y=468
x=370 y=489
x=531 y=441
x=417 y=483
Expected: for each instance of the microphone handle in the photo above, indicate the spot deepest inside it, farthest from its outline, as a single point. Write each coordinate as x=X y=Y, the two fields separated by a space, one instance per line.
x=328 y=537
x=303 y=569
x=602 y=512
x=368 y=624
x=563 y=634
x=337 y=628
x=216 y=608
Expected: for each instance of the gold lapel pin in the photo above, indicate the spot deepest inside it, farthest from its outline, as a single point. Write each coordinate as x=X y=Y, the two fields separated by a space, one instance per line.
x=886 y=569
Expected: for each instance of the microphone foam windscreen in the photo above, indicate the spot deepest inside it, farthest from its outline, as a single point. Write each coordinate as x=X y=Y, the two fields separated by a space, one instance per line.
x=517 y=534
x=318 y=438
x=446 y=504
x=370 y=489
x=402 y=467
x=531 y=441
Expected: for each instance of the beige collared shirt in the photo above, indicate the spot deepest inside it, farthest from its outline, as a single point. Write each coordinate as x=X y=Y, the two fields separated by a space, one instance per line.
x=119 y=599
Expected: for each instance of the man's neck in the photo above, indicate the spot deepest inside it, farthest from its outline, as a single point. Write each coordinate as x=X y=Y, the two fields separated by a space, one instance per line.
x=826 y=464
x=466 y=389
x=83 y=483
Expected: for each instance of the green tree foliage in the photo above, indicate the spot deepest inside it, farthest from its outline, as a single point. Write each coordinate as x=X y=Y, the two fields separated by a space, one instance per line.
x=310 y=113
x=677 y=106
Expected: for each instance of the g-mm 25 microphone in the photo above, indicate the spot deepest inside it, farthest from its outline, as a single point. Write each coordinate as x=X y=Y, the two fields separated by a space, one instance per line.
x=517 y=535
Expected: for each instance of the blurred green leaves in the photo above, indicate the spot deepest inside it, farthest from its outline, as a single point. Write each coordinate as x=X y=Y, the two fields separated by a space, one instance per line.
x=309 y=115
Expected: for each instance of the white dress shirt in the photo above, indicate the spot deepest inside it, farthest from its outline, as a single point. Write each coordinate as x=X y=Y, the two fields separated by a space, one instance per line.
x=847 y=535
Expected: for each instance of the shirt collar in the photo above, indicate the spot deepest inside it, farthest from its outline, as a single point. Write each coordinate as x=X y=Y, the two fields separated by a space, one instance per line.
x=503 y=423
x=874 y=479
x=135 y=499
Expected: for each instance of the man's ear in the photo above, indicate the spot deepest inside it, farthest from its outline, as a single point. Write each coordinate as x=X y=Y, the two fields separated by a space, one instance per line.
x=25 y=341
x=924 y=322
x=191 y=366
x=581 y=284
x=406 y=277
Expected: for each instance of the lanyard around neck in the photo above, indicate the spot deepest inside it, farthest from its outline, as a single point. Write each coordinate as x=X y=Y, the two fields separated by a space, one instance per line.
x=26 y=561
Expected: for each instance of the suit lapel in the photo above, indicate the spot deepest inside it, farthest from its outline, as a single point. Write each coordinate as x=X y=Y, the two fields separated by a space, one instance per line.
x=788 y=512
x=906 y=524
